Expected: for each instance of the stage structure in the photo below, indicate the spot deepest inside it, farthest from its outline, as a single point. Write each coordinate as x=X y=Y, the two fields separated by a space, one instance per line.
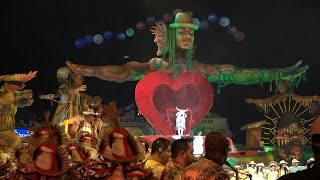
x=253 y=134
x=138 y=125
x=288 y=121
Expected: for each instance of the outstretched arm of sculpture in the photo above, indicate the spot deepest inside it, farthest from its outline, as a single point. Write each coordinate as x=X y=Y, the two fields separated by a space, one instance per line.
x=131 y=71
x=228 y=75
x=112 y=72
x=13 y=97
x=64 y=90
x=224 y=75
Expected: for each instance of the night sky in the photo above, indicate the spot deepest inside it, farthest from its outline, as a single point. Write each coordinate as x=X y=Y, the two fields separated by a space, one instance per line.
x=40 y=35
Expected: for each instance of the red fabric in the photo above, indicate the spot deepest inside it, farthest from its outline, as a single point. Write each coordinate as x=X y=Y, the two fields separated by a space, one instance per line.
x=88 y=135
x=54 y=162
x=128 y=150
x=82 y=155
x=157 y=92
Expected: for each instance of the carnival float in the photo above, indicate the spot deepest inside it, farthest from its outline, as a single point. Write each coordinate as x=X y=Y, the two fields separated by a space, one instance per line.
x=86 y=139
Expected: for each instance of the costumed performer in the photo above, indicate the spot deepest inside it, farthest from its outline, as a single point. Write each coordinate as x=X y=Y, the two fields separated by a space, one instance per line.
x=12 y=97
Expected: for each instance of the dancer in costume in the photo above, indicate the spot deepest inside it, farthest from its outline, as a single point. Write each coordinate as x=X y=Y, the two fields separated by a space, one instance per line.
x=121 y=148
x=47 y=144
x=89 y=122
x=12 y=97
x=178 y=43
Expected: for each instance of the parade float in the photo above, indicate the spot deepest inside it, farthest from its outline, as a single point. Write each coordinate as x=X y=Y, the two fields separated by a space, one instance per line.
x=174 y=94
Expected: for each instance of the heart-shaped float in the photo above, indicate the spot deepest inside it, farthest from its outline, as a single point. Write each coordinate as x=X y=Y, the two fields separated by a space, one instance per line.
x=158 y=96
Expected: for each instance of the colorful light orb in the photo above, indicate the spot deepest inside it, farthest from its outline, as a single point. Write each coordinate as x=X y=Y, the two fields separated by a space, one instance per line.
x=79 y=43
x=204 y=24
x=129 y=32
x=151 y=20
x=231 y=29
x=140 y=25
x=238 y=36
x=108 y=35
x=121 y=36
x=196 y=21
x=176 y=11
x=160 y=22
x=98 y=38
x=224 y=21
x=168 y=17
x=88 y=39
x=213 y=18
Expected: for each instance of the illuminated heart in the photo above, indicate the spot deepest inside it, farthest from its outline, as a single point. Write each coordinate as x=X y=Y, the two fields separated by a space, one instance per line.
x=158 y=95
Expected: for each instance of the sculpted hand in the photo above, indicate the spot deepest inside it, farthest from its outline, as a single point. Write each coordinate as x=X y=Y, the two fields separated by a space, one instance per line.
x=81 y=69
x=81 y=88
x=24 y=102
x=48 y=96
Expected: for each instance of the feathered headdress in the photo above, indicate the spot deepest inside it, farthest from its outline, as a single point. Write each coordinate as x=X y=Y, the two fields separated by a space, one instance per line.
x=122 y=146
x=21 y=77
x=110 y=112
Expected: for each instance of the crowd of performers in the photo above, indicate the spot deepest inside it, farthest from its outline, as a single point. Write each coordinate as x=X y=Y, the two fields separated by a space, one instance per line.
x=260 y=171
x=84 y=139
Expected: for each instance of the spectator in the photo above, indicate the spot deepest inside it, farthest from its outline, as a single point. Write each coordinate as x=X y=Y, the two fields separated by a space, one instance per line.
x=211 y=166
x=160 y=154
x=182 y=156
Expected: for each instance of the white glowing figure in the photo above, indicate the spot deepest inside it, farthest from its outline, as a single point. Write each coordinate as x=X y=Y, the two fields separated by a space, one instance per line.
x=181 y=120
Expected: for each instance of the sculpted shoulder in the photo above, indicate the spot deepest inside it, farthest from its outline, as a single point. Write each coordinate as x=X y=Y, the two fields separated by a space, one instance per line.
x=159 y=64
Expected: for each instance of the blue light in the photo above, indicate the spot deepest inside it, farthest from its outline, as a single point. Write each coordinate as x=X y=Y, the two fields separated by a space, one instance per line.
x=21 y=132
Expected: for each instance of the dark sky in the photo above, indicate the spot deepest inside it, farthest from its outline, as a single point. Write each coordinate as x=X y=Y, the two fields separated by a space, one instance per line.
x=39 y=35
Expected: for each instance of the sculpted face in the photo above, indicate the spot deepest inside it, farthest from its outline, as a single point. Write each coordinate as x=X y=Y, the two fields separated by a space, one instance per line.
x=185 y=37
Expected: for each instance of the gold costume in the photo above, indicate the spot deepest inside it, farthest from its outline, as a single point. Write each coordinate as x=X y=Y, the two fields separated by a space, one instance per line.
x=205 y=169
x=7 y=117
x=172 y=171
x=155 y=167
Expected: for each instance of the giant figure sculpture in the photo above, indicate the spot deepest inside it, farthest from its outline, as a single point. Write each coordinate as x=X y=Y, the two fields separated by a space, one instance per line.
x=177 y=41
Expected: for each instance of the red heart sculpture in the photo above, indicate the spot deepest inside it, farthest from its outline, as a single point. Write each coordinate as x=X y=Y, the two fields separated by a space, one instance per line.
x=158 y=95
